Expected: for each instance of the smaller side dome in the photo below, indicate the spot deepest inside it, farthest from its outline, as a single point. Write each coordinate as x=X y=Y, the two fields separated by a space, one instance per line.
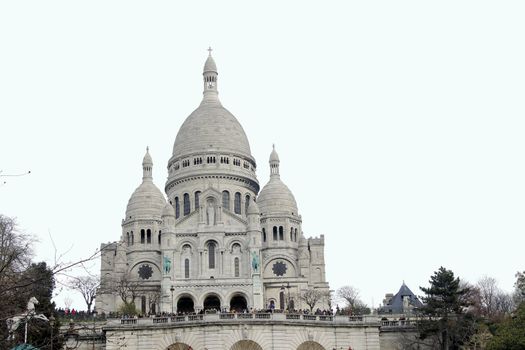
x=276 y=197
x=168 y=210
x=147 y=201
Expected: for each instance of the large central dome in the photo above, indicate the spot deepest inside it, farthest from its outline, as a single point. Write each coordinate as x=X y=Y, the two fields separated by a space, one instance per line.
x=211 y=127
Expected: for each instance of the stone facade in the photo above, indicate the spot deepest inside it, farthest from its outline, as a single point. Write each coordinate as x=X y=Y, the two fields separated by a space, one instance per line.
x=213 y=241
x=245 y=332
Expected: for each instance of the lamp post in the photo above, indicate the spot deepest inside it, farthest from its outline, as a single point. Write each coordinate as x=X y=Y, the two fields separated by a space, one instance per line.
x=288 y=296
x=52 y=324
x=94 y=329
x=172 y=290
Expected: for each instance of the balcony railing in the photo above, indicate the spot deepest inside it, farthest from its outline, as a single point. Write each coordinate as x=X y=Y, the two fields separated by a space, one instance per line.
x=252 y=317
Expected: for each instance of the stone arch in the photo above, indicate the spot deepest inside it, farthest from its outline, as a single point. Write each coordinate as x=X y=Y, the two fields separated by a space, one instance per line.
x=212 y=301
x=289 y=259
x=179 y=346
x=310 y=345
x=185 y=303
x=238 y=302
x=246 y=345
x=189 y=242
x=234 y=242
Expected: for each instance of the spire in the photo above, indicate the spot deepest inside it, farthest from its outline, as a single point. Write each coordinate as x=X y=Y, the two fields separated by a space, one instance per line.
x=210 y=78
x=147 y=166
x=274 y=163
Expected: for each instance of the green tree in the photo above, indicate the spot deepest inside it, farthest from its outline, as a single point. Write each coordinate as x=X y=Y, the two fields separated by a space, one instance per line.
x=443 y=316
x=510 y=334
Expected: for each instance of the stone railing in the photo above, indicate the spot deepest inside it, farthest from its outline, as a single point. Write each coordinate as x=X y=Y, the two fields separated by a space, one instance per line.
x=398 y=323
x=251 y=317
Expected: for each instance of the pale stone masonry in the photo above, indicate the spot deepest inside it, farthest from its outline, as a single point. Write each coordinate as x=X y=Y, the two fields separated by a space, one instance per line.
x=214 y=249
x=216 y=242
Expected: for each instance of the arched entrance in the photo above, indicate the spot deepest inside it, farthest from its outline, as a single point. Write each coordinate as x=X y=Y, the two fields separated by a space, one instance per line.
x=246 y=345
x=179 y=346
x=185 y=305
x=212 y=302
x=310 y=345
x=238 y=303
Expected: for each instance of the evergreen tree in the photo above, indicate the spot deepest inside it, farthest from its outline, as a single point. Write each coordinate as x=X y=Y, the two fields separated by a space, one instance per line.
x=510 y=334
x=443 y=316
x=40 y=284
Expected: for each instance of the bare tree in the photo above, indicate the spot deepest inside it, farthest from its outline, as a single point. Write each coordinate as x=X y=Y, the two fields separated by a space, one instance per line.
x=15 y=254
x=127 y=289
x=488 y=290
x=312 y=296
x=154 y=299
x=87 y=286
x=493 y=302
x=349 y=295
x=68 y=301
x=353 y=303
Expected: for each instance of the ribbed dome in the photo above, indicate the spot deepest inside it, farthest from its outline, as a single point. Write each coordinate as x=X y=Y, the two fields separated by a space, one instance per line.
x=211 y=126
x=146 y=202
x=276 y=198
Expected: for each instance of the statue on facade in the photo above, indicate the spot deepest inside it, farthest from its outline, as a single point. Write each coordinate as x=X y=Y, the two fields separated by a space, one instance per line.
x=210 y=213
x=167 y=264
x=255 y=261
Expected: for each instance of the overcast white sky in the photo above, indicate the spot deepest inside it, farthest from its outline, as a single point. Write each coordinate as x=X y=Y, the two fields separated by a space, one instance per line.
x=399 y=124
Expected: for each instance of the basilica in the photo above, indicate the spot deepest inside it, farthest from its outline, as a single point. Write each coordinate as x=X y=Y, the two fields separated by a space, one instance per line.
x=215 y=262
x=213 y=241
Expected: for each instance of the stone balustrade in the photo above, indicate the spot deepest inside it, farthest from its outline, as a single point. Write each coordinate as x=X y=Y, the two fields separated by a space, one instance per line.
x=252 y=317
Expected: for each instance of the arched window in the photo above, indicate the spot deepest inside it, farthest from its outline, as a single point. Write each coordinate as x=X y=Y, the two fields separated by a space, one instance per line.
x=291 y=234
x=177 y=208
x=295 y=235
x=281 y=299
x=264 y=235
x=148 y=235
x=246 y=204
x=187 y=268
x=186 y=204
x=211 y=255
x=275 y=233
x=127 y=240
x=236 y=266
x=197 y=199
x=226 y=200
x=132 y=238
x=142 y=236
x=281 y=233
x=237 y=203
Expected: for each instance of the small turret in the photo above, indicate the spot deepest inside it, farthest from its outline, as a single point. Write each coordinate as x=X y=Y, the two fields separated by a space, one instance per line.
x=210 y=79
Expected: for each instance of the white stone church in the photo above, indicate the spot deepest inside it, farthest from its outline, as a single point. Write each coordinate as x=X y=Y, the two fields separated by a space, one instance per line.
x=221 y=262
x=217 y=241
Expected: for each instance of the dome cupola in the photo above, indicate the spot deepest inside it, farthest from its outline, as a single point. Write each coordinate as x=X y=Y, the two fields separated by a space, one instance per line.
x=147 y=201
x=276 y=197
x=211 y=142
